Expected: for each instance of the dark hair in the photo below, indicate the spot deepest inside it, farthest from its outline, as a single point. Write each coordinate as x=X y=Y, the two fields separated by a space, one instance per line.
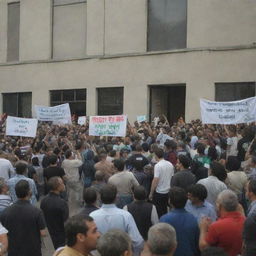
x=199 y=191
x=35 y=161
x=213 y=251
x=119 y=164
x=53 y=159
x=170 y=144
x=90 y=195
x=200 y=148
x=233 y=164
x=218 y=170
x=112 y=153
x=53 y=183
x=159 y=153
x=68 y=153
x=21 y=167
x=212 y=153
x=74 y=226
x=178 y=197
x=56 y=151
x=145 y=147
x=184 y=160
x=22 y=189
x=140 y=193
x=139 y=148
x=252 y=186
x=108 y=194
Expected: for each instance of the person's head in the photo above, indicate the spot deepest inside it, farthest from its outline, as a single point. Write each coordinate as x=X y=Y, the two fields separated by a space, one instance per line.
x=232 y=130
x=218 y=170
x=162 y=239
x=200 y=148
x=159 y=153
x=53 y=159
x=103 y=156
x=90 y=196
x=145 y=147
x=197 y=193
x=21 y=167
x=233 y=164
x=251 y=190
x=170 y=145
x=56 y=184
x=68 y=154
x=99 y=176
x=115 y=243
x=212 y=153
x=35 y=161
x=178 y=197
x=81 y=232
x=213 y=251
x=139 y=193
x=108 y=194
x=119 y=164
x=138 y=148
x=227 y=201
x=183 y=162
x=3 y=186
x=112 y=153
x=22 y=189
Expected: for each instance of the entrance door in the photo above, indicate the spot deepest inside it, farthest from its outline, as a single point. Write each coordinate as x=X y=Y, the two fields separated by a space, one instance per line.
x=168 y=100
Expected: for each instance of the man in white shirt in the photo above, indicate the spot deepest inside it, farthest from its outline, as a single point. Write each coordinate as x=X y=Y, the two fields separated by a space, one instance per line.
x=163 y=172
x=6 y=168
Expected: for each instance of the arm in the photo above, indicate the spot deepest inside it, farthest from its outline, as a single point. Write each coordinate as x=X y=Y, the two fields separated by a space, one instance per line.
x=154 y=216
x=4 y=242
x=204 y=224
x=153 y=187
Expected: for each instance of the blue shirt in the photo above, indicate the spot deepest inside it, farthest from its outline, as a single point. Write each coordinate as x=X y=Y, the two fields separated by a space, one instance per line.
x=13 y=181
x=204 y=210
x=187 y=231
x=110 y=217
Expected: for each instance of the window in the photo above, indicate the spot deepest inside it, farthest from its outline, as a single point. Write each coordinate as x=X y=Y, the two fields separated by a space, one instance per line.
x=69 y=28
x=110 y=101
x=17 y=104
x=13 y=34
x=167 y=24
x=234 y=91
x=76 y=99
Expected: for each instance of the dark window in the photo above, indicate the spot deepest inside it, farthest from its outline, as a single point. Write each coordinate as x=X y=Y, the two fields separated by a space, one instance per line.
x=17 y=104
x=13 y=34
x=76 y=99
x=234 y=91
x=167 y=24
x=110 y=101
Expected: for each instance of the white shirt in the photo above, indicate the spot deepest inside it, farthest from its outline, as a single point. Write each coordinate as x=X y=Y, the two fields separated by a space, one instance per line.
x=232 y=150
x=163 y=170
x=3 y=230
x=71 y=169
x=6 y=169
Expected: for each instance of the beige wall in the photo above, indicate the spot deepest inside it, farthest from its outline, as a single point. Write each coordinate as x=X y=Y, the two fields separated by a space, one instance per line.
x=199 y=70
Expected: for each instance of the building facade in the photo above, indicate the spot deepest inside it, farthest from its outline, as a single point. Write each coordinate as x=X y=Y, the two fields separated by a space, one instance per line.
x=126 y=56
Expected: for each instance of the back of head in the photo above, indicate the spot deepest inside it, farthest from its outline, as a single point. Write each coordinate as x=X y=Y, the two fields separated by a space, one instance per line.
x=200 y=148
x=184 y=160
x=233 y=164
x=115 y=242
x=68 y=154
x=21 y=167
x=102 y=156
x=138 y=148
x=22 y=189
x=218 y=170
x=90 y=195
x=74 y=226
x=53 y=159
x=108 y=194
x=145 y=147
x=213 y=251
x=35 y=161
x=99 y=175
x=119 y=164
x=53 y=183
x=162 y=239
x=178 y=197
x=140 y=193
x=228 y=200
x=170 y=144
x=159 y=153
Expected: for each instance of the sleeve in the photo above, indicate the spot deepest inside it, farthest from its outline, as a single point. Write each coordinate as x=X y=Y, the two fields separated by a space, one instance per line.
x=229 y=141
x=156 y=171
x=65 y=211
x=62 y=172
x=154 y=216
x=77 y=162
x=41 y=221
x=211 y=237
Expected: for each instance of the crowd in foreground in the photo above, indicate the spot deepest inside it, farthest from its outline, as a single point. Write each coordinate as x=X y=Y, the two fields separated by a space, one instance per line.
x=185 y=190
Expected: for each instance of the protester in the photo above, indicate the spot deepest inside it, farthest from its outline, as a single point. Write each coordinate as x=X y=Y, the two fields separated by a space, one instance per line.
x=90 y=200
x=5 y=199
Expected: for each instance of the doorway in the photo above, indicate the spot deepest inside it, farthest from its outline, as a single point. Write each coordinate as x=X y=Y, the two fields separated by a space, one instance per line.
x=168 y=100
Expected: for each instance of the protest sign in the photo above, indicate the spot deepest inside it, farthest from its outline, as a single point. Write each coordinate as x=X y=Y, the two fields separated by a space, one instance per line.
x=81 y=120
x=108 y=125
x=141 y=119
x=25 y=127
x=231 y=112
x=59 y=114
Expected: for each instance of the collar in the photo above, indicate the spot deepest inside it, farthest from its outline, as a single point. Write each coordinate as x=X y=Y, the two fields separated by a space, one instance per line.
x=197 y=206
x=20 y=201
x=108 y=206
x=234 y=214
x=71 y=251
x=178 y=210
x=20 y=176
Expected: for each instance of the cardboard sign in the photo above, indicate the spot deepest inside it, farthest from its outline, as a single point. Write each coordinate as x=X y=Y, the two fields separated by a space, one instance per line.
x=81 y=120
x=141 y=119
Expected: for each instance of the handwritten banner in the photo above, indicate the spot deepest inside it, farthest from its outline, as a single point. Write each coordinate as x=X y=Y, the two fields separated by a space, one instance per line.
x=81 y=120
x=141 y=119
x=231 y=112
x=58 y=114
x=108 y=125
x=25 y=127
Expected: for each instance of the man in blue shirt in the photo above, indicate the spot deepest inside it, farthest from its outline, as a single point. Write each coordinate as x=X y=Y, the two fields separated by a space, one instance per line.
x=197 y=205
x=184 y=223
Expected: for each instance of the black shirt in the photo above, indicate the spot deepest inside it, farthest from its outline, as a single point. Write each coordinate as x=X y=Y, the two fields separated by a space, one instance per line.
x=88 y=209
x=53 y=171
x=23 y=222
x=56 y=212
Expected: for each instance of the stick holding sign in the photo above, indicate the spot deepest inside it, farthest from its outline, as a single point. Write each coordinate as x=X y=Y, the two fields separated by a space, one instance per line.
x=25 y=127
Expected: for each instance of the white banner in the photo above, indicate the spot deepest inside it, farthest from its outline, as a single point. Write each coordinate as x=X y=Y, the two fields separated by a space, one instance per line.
x=232 y=112
x=58 y=114
x=81 y=120
x=141 y=119
x=25 y=127
x=108 y=125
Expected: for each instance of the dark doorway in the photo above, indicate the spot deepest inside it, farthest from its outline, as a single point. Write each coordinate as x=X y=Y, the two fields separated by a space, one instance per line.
x=168 y=100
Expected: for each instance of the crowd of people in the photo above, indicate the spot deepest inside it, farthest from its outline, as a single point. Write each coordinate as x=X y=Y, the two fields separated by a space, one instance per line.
x=185 y=189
